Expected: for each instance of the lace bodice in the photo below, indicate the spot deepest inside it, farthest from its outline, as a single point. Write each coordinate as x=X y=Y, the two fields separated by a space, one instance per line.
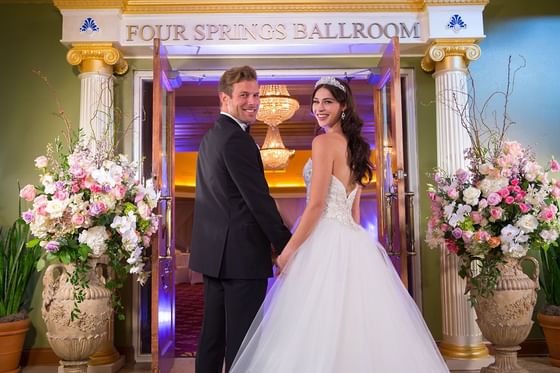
x=339 y=205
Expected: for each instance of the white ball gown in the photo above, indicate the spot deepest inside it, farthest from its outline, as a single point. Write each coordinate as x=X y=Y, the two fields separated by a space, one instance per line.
x=338 y=307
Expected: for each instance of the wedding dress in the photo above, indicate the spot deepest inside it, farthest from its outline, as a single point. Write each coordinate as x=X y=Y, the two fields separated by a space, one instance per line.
x=338 y=307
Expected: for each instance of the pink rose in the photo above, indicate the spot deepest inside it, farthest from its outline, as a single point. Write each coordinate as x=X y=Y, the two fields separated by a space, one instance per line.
x=548 y=213
x=524 y=207
x=514 y=182
x=61 y=195
x=504 y=192
x=451 y=246
x=509 y=200
x=496 y=212
x=453 y=194
x=28 y=192
x=482 y=204
x=494 y=199
x=78 y=219
x=467 y=236
x=476 y=217
x=554 y=165
x=41 y=162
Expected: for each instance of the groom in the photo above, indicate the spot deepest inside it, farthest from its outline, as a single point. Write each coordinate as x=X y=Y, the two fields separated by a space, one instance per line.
x=235 y=223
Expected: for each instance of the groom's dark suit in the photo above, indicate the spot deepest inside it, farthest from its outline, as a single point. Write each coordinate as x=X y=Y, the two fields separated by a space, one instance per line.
x=235 y=223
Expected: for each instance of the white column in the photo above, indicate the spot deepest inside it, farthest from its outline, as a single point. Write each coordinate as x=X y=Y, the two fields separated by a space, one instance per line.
x=97 y=63
x=462 y=344
x=96 y=106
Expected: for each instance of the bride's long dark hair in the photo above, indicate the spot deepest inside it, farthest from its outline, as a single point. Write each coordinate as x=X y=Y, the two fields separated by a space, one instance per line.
x=358 y=148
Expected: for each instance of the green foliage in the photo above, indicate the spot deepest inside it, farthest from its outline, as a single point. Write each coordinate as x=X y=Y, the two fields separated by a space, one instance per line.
x=550 y=273
x=17 y=264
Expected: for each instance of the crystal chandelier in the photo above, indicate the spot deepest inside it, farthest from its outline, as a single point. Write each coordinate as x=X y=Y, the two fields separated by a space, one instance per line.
x=276 y=107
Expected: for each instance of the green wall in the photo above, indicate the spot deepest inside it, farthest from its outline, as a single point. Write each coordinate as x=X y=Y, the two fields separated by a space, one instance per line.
x=30 y=35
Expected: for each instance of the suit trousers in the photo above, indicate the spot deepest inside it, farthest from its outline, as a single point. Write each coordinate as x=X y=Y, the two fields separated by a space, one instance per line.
x=230 y=305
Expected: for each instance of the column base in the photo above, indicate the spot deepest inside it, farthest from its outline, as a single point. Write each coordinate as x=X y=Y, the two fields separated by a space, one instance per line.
x=468 y=364
x=105 y=368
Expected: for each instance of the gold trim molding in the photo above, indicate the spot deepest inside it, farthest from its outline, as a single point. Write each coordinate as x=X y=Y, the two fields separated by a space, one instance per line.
x=258 y=6
x=454 y=54
x=463 y=352
x=97 y=57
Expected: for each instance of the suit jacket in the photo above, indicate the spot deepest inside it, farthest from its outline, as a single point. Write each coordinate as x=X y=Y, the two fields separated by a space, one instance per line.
x=235 y=218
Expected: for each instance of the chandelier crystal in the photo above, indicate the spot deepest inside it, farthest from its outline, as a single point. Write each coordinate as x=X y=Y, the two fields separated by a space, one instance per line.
x=276 y=107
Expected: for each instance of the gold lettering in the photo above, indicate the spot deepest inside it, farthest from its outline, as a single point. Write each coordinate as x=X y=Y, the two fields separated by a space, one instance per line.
x=300 y=31
x=160 y=35
x=132 y=30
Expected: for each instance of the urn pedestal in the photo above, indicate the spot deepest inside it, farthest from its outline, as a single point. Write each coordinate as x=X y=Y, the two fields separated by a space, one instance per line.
x=505 y=317
x=75 y=340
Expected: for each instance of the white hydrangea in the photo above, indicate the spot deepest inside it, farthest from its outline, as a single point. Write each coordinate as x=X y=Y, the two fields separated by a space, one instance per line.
x=95 y=238
x=492 y=184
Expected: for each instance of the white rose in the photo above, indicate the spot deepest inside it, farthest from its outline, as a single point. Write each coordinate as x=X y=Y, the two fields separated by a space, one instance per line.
x=471 y=195
x=549 y=235
x=527 y=223
x=55 y=208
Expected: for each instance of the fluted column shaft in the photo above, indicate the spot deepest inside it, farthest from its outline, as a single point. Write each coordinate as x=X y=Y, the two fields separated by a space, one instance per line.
x=462 y=339
x=97 y=64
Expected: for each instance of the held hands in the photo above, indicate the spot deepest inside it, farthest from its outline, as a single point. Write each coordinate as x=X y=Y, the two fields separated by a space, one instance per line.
x=283 y=259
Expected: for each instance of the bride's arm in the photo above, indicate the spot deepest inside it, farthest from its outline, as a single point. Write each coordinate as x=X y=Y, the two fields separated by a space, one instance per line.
x=356 y=206
x=323 y=159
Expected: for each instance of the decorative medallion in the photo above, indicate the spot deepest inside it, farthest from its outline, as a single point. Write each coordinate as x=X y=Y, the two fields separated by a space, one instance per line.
x=89 y=26
x=456 y=23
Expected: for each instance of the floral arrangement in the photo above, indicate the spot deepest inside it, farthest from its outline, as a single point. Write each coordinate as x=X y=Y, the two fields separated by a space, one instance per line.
x=504 y=205
x=89 y=203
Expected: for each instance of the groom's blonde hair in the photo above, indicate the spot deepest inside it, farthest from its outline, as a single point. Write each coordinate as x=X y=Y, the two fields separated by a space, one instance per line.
x=235 y=75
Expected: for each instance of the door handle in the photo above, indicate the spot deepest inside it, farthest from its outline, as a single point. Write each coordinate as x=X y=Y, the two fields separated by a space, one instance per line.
x=168 y=226
x=410 y=233
x=389 y=197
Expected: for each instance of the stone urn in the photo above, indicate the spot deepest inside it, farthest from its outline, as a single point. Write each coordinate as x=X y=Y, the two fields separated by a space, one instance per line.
x=505 y=318
x=75 y=340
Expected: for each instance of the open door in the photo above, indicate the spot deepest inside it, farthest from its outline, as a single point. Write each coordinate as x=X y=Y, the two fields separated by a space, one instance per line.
x=390 y=161
x=163 y=245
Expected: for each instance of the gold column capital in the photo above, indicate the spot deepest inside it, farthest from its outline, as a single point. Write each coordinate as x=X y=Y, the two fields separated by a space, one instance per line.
x=97 y=57
x=455 y=54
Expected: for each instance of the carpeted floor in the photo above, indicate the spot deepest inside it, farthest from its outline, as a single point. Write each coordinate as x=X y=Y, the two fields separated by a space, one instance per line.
x=189 y=304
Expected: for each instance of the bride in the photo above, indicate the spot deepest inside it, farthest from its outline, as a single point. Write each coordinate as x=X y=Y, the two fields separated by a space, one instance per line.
x=338 y=304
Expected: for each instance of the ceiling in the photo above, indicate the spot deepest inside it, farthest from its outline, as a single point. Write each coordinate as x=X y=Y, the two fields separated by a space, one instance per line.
x=197 y=107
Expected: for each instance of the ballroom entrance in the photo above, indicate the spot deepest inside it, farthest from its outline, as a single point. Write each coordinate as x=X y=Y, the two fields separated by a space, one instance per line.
x=195 y=108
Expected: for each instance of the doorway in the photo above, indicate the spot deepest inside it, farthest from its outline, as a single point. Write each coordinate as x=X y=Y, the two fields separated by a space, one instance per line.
x=195 y=112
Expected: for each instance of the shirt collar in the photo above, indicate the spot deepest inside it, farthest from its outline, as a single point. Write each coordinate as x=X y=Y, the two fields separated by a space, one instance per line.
x=241 y=124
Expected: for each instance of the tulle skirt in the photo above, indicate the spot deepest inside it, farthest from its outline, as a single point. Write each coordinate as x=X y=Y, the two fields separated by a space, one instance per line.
x=339 y=307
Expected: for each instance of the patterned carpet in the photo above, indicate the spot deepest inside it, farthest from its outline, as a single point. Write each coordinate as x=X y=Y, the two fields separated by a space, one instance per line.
x=189 y=303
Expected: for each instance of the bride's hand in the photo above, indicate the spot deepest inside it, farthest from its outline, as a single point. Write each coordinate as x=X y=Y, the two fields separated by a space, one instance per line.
x=281 y=261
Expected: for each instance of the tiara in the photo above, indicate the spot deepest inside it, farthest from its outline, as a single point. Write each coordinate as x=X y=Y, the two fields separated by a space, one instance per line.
x=329 y=80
